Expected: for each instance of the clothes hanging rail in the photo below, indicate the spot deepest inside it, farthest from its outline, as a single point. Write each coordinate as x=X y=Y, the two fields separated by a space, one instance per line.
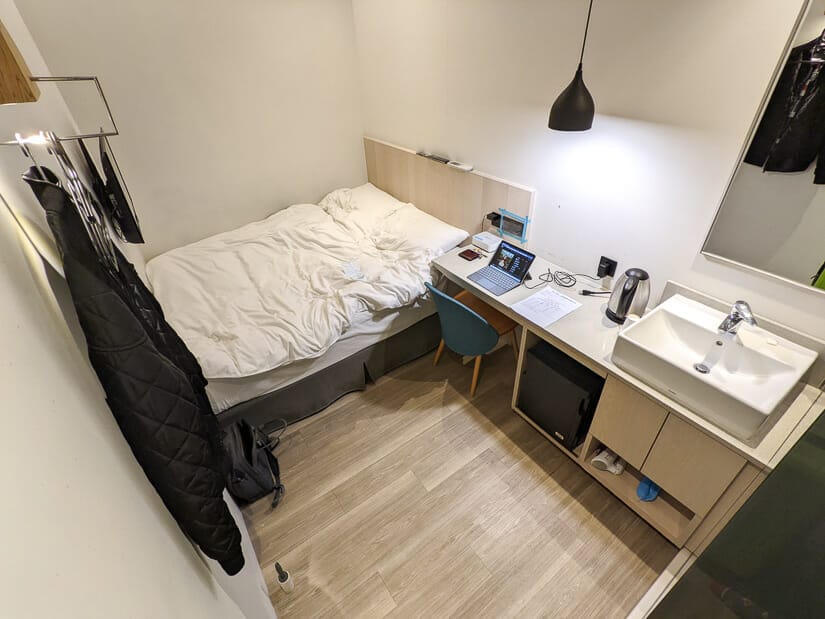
x=81 y=136
x=92 y=220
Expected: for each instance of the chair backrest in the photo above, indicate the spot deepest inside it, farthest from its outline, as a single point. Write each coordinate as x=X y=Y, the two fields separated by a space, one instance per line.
x=462 y=329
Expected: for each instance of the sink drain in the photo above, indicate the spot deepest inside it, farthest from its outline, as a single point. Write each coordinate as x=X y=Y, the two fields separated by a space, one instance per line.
x=701 y=368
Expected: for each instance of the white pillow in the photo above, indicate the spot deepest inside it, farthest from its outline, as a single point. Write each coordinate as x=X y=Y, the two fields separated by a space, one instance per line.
x=364 y=207
x=409 y=228
x=369 y=199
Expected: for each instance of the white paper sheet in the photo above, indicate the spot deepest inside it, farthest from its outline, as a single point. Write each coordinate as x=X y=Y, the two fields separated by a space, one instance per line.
x=545 y=306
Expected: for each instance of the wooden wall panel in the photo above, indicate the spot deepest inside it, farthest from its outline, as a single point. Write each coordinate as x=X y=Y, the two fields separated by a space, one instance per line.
x=459 y=198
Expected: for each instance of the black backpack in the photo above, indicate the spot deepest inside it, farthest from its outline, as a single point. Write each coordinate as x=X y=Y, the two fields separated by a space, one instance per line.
x=253 y=470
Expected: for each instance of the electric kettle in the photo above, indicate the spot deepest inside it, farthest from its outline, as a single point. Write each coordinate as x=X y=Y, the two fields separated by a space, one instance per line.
x=630 y=295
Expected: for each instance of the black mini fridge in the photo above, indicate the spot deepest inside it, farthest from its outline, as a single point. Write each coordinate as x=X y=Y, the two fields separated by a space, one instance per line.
x=559 y=394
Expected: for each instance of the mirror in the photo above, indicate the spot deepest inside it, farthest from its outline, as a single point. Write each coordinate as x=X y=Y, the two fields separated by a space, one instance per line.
x=772 y=217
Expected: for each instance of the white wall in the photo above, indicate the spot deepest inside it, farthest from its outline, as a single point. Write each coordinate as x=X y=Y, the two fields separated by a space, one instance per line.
x=248 y=587
x=85 y=535
x=228 y=111
x=676 y=84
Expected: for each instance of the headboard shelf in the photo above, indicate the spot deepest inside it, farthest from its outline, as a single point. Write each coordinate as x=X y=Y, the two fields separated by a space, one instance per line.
x=459 y=198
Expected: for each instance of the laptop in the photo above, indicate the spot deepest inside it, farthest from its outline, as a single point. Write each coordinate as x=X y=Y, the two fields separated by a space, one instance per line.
x=507 y=269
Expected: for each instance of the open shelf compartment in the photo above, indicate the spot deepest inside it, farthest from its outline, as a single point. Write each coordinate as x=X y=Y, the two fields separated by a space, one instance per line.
x=672 y=519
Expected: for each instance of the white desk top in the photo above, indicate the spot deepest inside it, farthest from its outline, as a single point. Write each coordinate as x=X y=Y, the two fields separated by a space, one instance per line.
x=588 y=336
x=586 y=329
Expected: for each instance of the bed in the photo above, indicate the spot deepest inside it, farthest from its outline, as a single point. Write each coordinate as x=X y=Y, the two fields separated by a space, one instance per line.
x=269 y=304
x=287 y=314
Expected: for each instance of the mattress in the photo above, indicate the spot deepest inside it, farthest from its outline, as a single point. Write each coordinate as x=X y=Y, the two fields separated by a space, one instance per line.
x=367 y=329
x=284 y=290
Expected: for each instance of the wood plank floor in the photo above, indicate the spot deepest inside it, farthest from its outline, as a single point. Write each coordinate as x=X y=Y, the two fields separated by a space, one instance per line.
x=410 y=499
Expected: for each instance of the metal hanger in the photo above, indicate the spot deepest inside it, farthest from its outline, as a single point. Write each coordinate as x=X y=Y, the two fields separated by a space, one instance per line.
x=817 y=53
x=79 y=136
x=28 y=153
x=94 y=224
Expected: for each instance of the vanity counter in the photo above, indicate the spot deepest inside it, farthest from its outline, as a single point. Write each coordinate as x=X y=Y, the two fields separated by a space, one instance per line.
x=588 y=336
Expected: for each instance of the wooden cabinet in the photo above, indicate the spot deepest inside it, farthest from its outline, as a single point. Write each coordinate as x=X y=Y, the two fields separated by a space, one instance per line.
x=627 y=421
x=691 y=466
x=693 y=469
x=703 y=481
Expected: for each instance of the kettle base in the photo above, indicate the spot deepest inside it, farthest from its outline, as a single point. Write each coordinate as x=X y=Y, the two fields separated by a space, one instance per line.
x=619 y=320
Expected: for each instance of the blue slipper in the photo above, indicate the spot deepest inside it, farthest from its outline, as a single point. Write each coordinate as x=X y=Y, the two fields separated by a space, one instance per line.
x=647 y=490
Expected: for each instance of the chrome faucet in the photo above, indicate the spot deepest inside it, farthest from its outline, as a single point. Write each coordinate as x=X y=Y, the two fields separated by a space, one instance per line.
x=739 y=313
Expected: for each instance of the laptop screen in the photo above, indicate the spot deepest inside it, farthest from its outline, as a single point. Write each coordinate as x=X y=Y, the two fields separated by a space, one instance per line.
x=512 y=260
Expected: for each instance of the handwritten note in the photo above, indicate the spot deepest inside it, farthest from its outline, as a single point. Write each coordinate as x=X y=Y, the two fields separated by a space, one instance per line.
x=545 y=307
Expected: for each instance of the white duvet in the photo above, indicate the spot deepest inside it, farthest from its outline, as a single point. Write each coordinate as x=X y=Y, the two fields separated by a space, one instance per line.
x=286 y=288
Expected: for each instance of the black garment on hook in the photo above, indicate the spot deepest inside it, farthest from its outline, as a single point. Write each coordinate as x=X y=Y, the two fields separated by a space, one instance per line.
x=791 y=134
x=110 y=193
x=153 y=384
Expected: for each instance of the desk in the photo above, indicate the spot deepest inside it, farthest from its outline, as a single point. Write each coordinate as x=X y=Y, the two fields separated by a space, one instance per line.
x=588 y=336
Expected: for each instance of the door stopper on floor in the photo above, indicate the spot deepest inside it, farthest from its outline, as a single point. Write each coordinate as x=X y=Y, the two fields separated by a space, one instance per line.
x=284 y=579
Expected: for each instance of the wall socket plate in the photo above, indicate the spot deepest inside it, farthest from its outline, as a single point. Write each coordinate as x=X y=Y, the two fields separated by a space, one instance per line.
x=607 y=267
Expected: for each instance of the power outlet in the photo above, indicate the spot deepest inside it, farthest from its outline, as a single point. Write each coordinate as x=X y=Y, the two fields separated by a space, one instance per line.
x=607 y=267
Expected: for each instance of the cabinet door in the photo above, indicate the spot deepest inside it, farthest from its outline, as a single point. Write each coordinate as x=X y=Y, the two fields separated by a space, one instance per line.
x=627 y=421
x=691 y=466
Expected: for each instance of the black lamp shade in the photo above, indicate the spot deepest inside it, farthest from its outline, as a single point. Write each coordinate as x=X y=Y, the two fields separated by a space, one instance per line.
x=573 y=109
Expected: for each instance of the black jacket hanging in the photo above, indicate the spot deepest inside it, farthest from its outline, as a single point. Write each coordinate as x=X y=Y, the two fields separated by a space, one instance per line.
x=110 y=193
x=791 y=134
x=153 y=384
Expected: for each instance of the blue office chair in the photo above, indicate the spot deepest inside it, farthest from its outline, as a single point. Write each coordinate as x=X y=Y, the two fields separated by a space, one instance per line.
x=470 y=327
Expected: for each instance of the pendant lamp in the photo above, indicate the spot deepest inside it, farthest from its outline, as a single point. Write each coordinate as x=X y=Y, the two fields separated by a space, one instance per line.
x=573 y=109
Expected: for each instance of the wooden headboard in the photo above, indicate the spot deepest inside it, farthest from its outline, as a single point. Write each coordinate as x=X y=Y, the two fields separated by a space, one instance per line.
x=461 y=199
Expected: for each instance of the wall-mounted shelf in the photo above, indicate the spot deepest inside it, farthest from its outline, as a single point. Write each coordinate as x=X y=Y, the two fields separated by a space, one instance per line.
x=16 y=85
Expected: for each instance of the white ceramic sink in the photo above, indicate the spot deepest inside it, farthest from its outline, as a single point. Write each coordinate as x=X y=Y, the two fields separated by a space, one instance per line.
x=749 y=375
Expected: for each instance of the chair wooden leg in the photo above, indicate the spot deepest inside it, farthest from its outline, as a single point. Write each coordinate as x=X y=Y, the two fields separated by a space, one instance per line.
x=515 y=343
x=476 y=369
x=438 y=352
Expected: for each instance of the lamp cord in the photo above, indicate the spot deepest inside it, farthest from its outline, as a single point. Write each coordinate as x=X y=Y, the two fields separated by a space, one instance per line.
x=586 y=27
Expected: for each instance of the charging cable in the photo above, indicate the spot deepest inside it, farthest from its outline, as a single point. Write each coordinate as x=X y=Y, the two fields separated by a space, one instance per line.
x=594 y=293
x=564 y=279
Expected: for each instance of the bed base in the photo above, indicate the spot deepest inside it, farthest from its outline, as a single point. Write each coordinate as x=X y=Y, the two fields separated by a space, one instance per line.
x=315 y=392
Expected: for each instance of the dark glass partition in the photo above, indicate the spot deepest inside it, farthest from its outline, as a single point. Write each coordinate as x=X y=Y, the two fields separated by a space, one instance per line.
x=769 y=561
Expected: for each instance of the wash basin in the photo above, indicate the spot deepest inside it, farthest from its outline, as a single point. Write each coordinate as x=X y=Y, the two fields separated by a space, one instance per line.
x=735 y=381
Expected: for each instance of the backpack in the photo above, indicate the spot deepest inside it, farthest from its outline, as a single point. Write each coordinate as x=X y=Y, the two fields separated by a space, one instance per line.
x=253 y=470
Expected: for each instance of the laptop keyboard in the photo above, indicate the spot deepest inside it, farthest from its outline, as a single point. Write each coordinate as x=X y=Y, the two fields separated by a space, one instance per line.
x=498 y=277
x=494 y=280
